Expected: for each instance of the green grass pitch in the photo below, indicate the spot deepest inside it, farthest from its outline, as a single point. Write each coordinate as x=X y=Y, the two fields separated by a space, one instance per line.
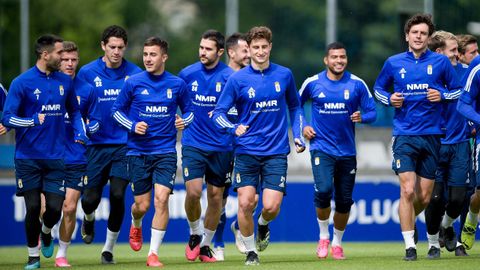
x=291 y=256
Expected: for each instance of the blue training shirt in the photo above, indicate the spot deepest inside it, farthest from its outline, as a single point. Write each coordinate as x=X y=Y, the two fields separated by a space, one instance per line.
x=87 y=100
x=412 y=77
x=333 y=102
x=456 y=126
x=468 y=104
x=205 y=87
x=153 y=99
x=107 y=83
x=32 y=93
x=261 y=99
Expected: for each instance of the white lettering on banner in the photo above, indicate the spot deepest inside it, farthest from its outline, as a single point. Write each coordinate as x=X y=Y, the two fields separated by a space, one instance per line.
x=19 y=210
x=176 y=205
x=102 y=212
x=375 y=212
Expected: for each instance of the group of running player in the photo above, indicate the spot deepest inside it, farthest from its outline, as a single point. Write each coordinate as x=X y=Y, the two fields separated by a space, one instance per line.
x=113 y=122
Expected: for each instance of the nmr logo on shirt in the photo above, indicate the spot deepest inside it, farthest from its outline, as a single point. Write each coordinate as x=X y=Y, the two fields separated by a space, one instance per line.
x=417 y=86
x=264 y=104
x=205 y=98
x=156 y=109
x=51 y=107
x=335 y=105
x=111 y=92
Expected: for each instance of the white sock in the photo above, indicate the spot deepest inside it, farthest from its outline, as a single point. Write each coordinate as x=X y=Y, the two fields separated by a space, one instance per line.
x=34 y=251
x=408 y=238
x=137 y=223
x=90 y=217
x=458 y=244
x=195 y=227
x=447 y=221
x=156 y=240
x=337 y=237
x=262 y=221
x=45 y=229
x=110 y=241
x=472 y=217
x=207 y=237
x=62 y=249
x=323 y=226
x=433 y=240
x=249 y=242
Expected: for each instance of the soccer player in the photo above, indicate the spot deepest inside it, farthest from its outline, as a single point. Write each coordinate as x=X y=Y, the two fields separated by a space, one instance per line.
x=3 y=96
x=35 y=108
x=468 y=106
x=467 y=48
x=146 y=108
x=106 y=151
x=206 y=149
x=454 y=162
x=419 y=78
x=467 y=51
x=262 y=93
x=237 y=51
x=238 y=58
x=337 y=97
x=75 y=154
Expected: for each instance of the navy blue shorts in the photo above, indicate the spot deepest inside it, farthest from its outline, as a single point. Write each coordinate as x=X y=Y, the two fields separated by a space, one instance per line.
x=336 y=175
x=454 y=164
x=265 y=172
x=417 y=154
x=45 y=174
x=75 y=176
x=215 y=166
x=144 y=171
x=105 y=161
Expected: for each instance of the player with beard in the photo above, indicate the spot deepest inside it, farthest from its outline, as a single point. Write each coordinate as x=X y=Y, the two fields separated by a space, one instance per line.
x=332 y=141
x=206 y=150
x=35 y=107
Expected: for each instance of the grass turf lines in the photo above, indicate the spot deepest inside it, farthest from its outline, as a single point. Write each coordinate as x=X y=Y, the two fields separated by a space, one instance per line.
x=296 y=256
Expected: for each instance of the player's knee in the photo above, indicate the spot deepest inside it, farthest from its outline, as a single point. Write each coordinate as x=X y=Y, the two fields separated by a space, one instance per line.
x=322 y=200
x=343 y=207
x=425 y=198
x=69 y=209
x=33 y=207
x=457 y=196
x=475 y=198
x=407 y=194
x=117 y=194
x=54 y=204
x=193 y=194
x=161 y=200
x=90 y=200
x=246 y=206
x=215 y=194
x=436 y=199
x=272 y=207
